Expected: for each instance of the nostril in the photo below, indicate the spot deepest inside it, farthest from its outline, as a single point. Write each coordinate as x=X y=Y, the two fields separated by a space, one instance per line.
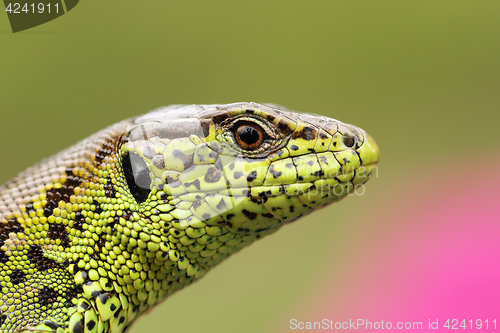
x=349 y=140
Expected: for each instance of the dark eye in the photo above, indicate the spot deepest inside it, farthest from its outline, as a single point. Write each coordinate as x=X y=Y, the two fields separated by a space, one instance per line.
x=248 y=135
x=137 y=176
x=349 y=140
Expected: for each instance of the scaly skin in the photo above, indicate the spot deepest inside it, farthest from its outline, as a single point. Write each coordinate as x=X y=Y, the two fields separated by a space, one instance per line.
x=95 y=236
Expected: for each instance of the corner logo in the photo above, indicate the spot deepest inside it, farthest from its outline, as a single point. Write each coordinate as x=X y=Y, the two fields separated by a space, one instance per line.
x=28 y=14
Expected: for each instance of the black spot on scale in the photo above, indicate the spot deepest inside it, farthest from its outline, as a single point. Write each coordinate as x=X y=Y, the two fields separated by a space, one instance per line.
x=121 y=321
x=2 y=318
x=104 y=298
x=47 y=211
x=258 y=200
x=249 y=215
x=229 y=216
x=300 y=178
x=318 y=173
x=294 y=147
x=196 y=204
x=187 y=159
x=275 y=174
x=29 y=207
x=206 y=216
x=195 y=183
x=284 y=127
x=91 y=324
x=85 y=276
x=252 y=176
x=221 y=204
x=148 y=152
x=213 y=154
x=17 y=276
x=95 y=293
x=78 y=327
x=307 y=133
x=98 y=209
x=212 y=175
x=85 y=305
x=51 y=325
x=270 y=117
x=238 y=174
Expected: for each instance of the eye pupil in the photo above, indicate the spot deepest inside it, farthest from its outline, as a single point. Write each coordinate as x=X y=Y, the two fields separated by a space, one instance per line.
x=249 y=135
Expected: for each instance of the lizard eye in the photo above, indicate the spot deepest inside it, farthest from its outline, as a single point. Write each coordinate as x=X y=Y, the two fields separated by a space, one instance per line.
x=349 y=140
x=137 y=176
x=249 y=136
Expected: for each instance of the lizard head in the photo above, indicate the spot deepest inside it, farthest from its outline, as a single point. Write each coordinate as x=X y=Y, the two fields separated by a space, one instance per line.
x=243 y=168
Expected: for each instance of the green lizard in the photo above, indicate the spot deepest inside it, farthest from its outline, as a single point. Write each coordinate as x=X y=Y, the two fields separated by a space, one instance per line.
x=96 y=235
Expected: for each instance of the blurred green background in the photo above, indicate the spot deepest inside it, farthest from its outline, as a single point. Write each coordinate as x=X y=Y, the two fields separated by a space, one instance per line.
x=422 y=77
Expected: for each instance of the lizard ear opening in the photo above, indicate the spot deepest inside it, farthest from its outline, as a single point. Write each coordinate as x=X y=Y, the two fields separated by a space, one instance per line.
x=137 y=176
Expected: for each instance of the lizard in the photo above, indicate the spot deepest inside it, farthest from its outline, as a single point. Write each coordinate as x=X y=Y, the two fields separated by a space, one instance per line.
x=93 y=237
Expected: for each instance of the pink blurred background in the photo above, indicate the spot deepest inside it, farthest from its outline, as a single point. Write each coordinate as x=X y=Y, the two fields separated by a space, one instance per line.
x=430 y=252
